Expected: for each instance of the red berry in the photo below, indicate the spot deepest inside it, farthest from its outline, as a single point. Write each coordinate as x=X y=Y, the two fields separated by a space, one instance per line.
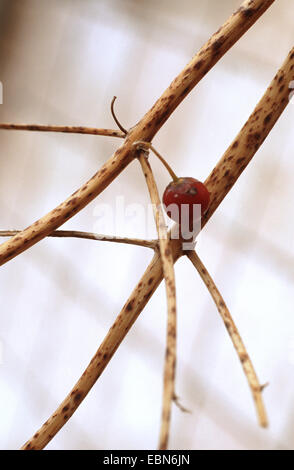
x=188 y=191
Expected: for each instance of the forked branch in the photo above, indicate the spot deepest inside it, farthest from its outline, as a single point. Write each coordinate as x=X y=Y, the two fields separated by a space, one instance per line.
x=128 y=315
x=145 y=130
x=218 y=183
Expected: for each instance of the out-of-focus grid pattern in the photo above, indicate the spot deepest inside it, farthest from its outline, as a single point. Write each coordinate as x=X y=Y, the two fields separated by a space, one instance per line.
x=61 y=62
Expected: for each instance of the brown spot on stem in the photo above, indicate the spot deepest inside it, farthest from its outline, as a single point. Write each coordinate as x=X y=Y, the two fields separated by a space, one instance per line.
x=78 y=396
x=198 y=64
x=267 y=118
x=167 y=252
x=130 y=305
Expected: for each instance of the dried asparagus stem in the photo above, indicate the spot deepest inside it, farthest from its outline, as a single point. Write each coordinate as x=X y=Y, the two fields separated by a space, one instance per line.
x=233 y=29
x=170 y=285
x=219 y=184
x=128 y=315
x=145 y=130
x=256 y=388
x=251 y=136
x=66 y=129
x=91 y=236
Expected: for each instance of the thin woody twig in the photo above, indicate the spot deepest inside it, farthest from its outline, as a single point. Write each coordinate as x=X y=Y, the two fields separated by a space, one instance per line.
x=219 y=184
x=66 y=129
x=115 y=118
x=128 y=315
x=256 y=388
x=145 y=130
x=170 y=285
x=91 y=236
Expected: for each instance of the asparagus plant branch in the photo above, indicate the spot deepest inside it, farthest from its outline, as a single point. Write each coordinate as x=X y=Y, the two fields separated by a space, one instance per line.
x=128 y=315
x=91 y=236
x=66 y=129
x=145 y=130
x=219 y=183
x=256 y=388
x=170 y=284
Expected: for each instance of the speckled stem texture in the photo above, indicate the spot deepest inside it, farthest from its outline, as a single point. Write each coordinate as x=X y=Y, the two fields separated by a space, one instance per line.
x=256 y=388
x=65 y=129
x=170 y=285
x=145 y=130
x=208 y=55
x=91 y=236
x=251 y=136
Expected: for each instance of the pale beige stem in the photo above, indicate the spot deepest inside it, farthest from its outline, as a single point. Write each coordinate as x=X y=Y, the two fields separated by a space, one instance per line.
x=128 y=315
x=91 y=236
x=145 y=130
x=217 y=186
x=221 y=41
x=170 y=285
x=256 y=388
x=66 y=129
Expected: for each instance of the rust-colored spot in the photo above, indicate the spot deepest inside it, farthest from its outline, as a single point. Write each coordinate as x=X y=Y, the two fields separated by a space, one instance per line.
x=130 y=305
x=78 y=396
x=167 y=252
x=243 y=357
x=150 y=281
x=247 y=12
x=252 y=139
x=235 y=144
x=267 y=118
x=65 y=408
x=199 y=64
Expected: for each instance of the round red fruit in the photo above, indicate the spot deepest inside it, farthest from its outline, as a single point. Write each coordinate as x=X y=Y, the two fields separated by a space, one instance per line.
x=181 y=196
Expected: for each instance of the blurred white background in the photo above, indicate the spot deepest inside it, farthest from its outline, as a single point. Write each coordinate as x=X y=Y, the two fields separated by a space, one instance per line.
x=61 y=62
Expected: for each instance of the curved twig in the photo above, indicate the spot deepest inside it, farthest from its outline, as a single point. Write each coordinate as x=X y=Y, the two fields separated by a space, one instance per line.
x=115 y=118
x=245 y=360
x=66 y=129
